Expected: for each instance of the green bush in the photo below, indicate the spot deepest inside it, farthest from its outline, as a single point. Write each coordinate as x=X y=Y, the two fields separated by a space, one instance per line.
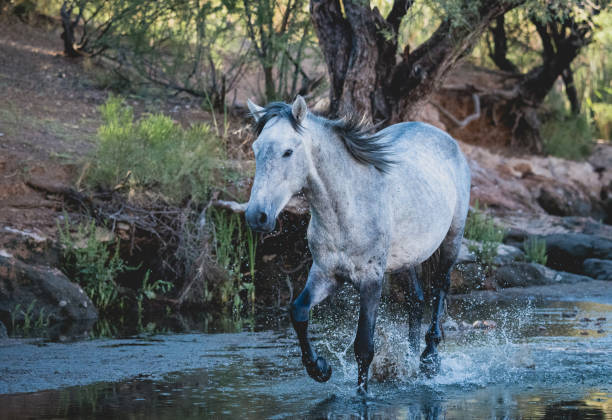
x=153 y=153
x=603 y=119
x=481 y=228
x=570 y=137
x=235 y=246
x=564 y=134
x=535 y=250
x=90 y=262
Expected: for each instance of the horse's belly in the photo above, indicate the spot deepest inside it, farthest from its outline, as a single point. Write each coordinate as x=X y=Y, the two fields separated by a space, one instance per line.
x=419 y=228
x=409 y=252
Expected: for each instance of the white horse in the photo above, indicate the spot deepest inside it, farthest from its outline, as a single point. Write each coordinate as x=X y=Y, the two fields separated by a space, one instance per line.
x=379 y=203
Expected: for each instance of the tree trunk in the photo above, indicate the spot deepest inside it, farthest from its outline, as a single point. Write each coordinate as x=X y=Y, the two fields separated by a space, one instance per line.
x=360 y=52
x=570 y=90
x=499 y=53
x=270 y=88
x=560 y=48
x=68 y=25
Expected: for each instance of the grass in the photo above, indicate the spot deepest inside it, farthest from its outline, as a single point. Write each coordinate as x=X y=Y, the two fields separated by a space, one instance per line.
x=235 y=246
x=564 y=134
x=153 y=153
x=535 y=250
x=482 y=229
x=570 y=137
x=31 y=320
x=92 y=263
x=603 y=119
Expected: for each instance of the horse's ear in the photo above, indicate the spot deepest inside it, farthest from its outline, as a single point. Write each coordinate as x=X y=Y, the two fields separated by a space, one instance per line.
x=299 y=109
x=255 y=110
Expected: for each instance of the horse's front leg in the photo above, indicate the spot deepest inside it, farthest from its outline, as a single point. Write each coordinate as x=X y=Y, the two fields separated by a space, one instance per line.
x=318 y=287
x=369 y=298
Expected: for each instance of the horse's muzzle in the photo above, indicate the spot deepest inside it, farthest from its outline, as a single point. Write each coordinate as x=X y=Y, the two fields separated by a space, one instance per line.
x=259 y=220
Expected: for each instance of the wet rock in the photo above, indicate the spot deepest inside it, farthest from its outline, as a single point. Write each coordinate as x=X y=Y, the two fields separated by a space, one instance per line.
x=387 y=362
x=554 y=276
x=568 y=251
x=507 y=254
x=450 y=325
x=484 y=325
x=468 y=276
x=598 y=269
x=464 y=326
x=43 y=288
x=569 y=314
x=465 y=255
x=3 y=333
x=520 y=274
x=586 y=319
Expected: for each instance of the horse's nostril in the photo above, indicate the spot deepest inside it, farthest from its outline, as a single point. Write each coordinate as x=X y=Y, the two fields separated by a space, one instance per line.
x=263 y=217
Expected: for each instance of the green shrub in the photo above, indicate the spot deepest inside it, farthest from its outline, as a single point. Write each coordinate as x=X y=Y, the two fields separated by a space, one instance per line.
x=564 y=134
x=153 y=153
x=535 y=250
x=481 y=228
x=603 y=119
x=570 y=137
x=235 y=246
x=90 y=262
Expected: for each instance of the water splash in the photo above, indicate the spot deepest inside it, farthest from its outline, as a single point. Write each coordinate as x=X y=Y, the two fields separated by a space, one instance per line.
x=469 y=357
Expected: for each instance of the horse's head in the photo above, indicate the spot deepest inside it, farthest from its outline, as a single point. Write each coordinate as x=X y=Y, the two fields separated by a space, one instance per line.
x=281 y=161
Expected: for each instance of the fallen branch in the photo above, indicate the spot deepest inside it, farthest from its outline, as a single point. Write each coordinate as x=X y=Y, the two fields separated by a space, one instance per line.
x=466 y=120
x=297 y=205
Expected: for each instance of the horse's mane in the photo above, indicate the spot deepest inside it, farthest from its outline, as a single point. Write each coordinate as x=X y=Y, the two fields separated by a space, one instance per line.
x=275 y=109
x=365 y=148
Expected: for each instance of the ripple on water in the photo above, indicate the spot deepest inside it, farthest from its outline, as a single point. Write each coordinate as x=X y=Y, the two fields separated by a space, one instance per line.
x=514 y=370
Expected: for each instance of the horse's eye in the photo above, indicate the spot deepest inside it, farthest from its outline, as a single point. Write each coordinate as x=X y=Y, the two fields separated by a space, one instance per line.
x=288 y=153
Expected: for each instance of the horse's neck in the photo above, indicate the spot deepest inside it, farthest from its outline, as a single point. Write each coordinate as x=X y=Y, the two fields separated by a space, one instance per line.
x=336 y=182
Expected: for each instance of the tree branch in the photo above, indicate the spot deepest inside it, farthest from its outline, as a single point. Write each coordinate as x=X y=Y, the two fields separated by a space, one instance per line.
x=397 y=13
x=499 y=54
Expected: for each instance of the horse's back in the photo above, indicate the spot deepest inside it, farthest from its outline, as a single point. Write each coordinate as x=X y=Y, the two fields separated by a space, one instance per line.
x=429 y=188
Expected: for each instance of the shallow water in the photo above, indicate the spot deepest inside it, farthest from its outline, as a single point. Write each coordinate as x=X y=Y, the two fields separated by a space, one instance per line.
x=542 y=360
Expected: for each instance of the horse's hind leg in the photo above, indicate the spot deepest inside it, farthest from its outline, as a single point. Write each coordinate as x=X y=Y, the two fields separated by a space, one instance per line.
x=416 y=301
x=369 y=298
x=317 y=288
x=449 y=250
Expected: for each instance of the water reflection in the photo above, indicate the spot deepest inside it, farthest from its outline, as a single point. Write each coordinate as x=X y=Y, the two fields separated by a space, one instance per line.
x=535 y=364
x=198 y=395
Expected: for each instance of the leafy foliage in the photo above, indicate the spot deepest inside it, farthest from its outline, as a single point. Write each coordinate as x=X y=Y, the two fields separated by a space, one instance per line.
x=282 y=38
x=91 y=263
x=235 y=246
x=535 y=250
x=153 y=152
x=564 y=134
x=481 y=228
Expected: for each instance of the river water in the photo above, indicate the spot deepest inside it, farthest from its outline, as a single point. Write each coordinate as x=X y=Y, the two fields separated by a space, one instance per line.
x=546 y=358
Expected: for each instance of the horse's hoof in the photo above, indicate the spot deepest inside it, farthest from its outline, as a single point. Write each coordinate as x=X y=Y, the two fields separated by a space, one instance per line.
x=362 y=390
x=430 y=364
x=320 y=371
